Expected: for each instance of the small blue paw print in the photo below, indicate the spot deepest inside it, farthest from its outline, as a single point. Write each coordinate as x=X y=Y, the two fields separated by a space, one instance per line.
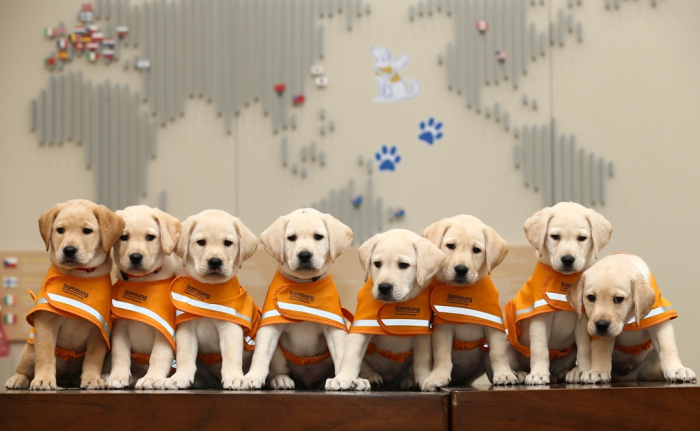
x=387 y=158
x=431 y=131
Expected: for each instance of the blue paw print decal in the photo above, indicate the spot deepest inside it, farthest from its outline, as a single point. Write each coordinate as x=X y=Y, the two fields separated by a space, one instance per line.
x=387 y=158
x=430 y=131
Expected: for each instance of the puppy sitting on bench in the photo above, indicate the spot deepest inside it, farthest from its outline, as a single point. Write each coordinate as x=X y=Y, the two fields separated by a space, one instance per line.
x=631 y=323
x=143 y=340
x=389 y=341
x=70 y=318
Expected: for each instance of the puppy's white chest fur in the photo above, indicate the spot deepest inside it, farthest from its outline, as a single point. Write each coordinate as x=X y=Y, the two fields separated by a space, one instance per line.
x=465 y=363
x=307 y=339
x=561 y=330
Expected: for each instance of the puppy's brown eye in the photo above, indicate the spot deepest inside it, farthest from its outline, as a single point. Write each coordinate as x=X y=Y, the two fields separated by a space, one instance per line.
x=618 y=299
x=591 y=298
x=60 y=230
x=377 y=264
x=403 y=265
x=451 y=246
x=476 y=250
x=292 y=238
x=555 y=237
x=87 y=231
x=150 y=237
x=582 y=238
x=318 y=237
x=228 y=243
x=124 y=237
x=201 y=242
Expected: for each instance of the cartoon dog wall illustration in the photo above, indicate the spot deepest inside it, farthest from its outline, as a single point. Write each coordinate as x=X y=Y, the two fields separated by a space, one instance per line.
x=392 y=88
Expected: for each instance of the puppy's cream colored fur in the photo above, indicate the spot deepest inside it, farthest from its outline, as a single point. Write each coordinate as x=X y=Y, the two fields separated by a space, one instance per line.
x=325 y=238
x=613 y=291
x=566 y=230
x=382 y=257
x=92 y=229
x=467 y=242
x=211 y=234
x=152 y=234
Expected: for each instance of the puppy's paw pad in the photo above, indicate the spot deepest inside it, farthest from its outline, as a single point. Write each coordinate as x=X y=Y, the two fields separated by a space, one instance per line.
x=387 y=158
x=681 y=375
x=362 y=385
x=174 y=383
x=505 y=379
x=537 y=379
x=18 y=381
x=238 y=384
x=337 y=384
x=145 y=384
x=258 y=382
x=407 y=383
x=43 y=384
x=433 y=382
x=282 y=382
x=592 y=377
x=573 y=376
x=117 y=382
x=93 y=383
x=430 y=131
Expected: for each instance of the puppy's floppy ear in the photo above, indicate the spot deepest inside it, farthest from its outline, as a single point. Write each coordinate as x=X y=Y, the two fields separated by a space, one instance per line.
x=365 y=251
x=273 y=238
x=339 y=235
x=575 y=295
x=247 y=241
x=183 y=244
x=496 y=248
x=644 y=297
x=170 y=228
x=111 y=226
x=601 y=230
x=429 y=258
x=46 y=224
x=536 y=228
x=436 y=231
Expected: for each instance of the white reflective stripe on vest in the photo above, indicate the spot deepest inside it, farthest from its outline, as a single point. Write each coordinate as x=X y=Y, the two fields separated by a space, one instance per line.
x=249 y=341
x=80 y=305
x=145 y=312
x=537 y=304
x=468 y=312
x=655 y=312
x=557 y=297
x=392 y=322
x=312 y=311
x=179 y=313
x=31 y=335
x=271 y=313
x=212 y=307
x=360 y=323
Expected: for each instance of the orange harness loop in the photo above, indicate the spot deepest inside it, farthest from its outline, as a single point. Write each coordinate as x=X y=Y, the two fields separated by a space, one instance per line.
x=396 y=357
x=304 y=360
x=635 y=350
x=209 y=358
x=556 y=354
x=469 y=345
x=67 y=355
x=141 y=358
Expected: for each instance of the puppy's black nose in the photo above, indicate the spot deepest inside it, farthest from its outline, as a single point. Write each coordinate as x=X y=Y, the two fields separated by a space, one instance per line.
x=70 y=250
x=385 y=288
x=215 y=263
x=602 y=326
x=305 y=256
x=568 y=260
x=136 y=258
x=461 y=270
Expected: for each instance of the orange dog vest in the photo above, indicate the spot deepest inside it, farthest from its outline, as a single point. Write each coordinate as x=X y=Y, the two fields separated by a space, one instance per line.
x=544 y=292
x=476 y=304
x=290 y=302
x=405 y=319
x=227 y=301
x=147 y=302
x=75 y=297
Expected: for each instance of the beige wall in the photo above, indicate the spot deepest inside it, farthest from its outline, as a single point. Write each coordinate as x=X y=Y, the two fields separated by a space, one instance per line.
x=629 y=92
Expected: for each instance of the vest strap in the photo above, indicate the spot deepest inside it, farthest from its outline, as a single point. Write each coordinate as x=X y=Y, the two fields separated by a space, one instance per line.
x=141 y=358
x=396 y=357
x=303 y=360
x=68 y=355
x=469 y=345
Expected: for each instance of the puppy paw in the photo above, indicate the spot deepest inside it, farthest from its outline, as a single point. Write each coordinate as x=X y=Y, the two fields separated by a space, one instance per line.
x=505 y=379
x=17 y=381
x=339 y=384
x=573 y=376
x=237 y=384
x=537 y=379
x=258 y=382
x=434 y=382
x=282 y=382
x=174 y=383
x=374 y=379
x=521 y=375
x=93 y=383
x=592 y=377
x=408 y=383
x=117 y=382
x=362 y=385
x=145 y=383
x=43 y=384
x=681 y=375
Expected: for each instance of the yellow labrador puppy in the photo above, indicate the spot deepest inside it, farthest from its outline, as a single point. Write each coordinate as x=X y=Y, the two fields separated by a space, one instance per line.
x=70 y=318
x=465 y=301
x=143 y=340
x=625 y=311
x=303 y=328
x=392 y=325
x=540 y=322
x=216 y=317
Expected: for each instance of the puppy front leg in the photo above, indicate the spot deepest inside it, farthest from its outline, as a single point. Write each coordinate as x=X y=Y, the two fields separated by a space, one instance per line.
x=583 y=351
x=91 y=377
x=45 y=335
x=498 y=356
x=231 y=342
x=539 y=350
x=279 y=375
x=664 y=340
x=601 y=351
x=442 y=350
x=347 y=377
x=121 y=357
x=335 y=339
x=422 y=362
x=24 y=371
x=367 y=373
x=265 y=344
x=159 y=365
x=186 y=358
